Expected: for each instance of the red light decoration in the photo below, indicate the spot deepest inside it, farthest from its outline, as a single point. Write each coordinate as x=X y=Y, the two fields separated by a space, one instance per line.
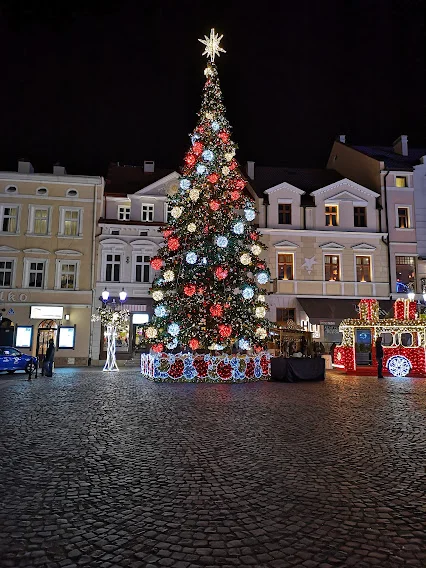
x=190 y=159
x=158 y=347
x=254 y=236
x=206 y=230
x=176 y=370
x=233 y=165
x=167 y=233
x=221 y=273
x=194 y=344
x=240 y=184
x=369 y=309
x=213 y=178
x=156 y=263
x=224 y=136
x=225 y=330
x=214 y=205
x=216 y=310
x=197 y=148
x=224 y=370
x=235 y=195
x=173 y=243
x=201 y=366
x=189 y=289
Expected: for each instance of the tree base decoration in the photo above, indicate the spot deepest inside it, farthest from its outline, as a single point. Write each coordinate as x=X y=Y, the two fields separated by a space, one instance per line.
x=198 y=368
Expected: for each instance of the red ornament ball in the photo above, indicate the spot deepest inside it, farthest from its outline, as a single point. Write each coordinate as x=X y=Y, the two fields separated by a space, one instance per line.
x=173 y=243
x=190 y=159
x=235 y=195
x=194 y=344
x=225 y=330
x=221 y=273
x=240 y=183
x=216 y=310
x=167 y=233
x=158 y=347
x=224 y=370
x=197 y=148
x=224 y=136
x=214 y=205
x=254 y=236
x=156 y=263
x=233 y=165
x=213 y=178
x=189 y=289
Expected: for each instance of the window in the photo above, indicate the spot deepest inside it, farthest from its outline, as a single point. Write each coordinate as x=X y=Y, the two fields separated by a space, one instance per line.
x=68 y=275
x=36 y=274
x=9 y=219
x=360 y=217
x=124 y=213
x=331 y=216
x=112 y=267
x=41 y=191
x=72 y=193
x=147 y=212
x=405 y=274
x=285 y=267
x=400 y=181
x=70 y=222
x=11 y=189
x=331 y=263
x=6 y=272
x=142 y=268
x=403 y=219
x=284 y=213
x=41 y=221
x=115 y=232
x=167 y=213
x=285 y=314
x=363 y=270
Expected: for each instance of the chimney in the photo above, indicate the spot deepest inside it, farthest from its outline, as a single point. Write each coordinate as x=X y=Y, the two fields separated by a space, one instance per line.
x=400 y=146
x=25 y=167
x=342 y=138
x=250 y=170
x=148 y=166
x=59 y=170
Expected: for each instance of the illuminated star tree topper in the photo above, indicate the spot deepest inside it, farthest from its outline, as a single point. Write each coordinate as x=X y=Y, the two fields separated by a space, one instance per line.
x=212 y=45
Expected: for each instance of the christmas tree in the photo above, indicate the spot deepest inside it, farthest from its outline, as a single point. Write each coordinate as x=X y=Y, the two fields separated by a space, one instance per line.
x=208 y=295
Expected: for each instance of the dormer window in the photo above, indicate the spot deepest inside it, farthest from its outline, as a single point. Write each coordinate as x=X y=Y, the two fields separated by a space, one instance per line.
x=284 y=213
x=331 y=216
x=360 y=217
x=401 y=181
x=124 y=213
x=11 y=189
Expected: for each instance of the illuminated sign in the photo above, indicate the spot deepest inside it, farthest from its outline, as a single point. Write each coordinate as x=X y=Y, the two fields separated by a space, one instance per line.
x=66 y=338
x=46 y=312
x=140 y=318
x=24 y=336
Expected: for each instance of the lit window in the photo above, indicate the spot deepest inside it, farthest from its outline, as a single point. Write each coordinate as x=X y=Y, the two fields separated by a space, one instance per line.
x=6 y=273
x=142 y=268
x=147 y=213
x=284 y=213
x=9 y=219
x=41 y=221
x=68 y=275
x=124 y=213
x=331 y=216
x=400 y=181
x=112 y=267
x=331 y=263
x=403 y=218
x=363 y=270
x=285 y=267
x=360 y=217
x=405 y=274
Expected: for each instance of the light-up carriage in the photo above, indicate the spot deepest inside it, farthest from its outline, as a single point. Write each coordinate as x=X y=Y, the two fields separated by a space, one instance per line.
x=403 y=340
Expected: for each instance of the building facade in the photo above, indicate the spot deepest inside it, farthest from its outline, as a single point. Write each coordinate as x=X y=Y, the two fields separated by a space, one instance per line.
x=48 y=260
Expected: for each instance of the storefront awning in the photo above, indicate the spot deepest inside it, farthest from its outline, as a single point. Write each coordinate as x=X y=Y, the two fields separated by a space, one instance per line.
x=327 y=311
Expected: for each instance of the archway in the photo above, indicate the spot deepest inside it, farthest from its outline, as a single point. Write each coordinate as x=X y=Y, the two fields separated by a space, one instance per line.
x=47 y=329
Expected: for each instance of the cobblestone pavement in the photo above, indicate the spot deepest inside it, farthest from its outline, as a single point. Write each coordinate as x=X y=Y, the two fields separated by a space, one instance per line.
x=103 y=470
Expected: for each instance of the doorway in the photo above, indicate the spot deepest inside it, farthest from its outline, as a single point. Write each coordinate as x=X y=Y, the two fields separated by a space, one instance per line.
x=363 y=347
x=47 y=329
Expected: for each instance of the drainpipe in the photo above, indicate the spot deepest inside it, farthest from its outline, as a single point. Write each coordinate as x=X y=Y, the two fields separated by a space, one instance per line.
x=93 y=269
x=385 y=196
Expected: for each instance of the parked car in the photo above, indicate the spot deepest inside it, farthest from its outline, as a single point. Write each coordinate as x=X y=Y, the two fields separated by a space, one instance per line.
x=11 y=360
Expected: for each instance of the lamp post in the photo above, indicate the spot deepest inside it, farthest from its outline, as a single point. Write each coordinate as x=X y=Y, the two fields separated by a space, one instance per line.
x=112 y=319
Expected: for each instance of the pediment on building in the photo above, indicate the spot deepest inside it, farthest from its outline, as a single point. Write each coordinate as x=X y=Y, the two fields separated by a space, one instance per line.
x=36 y=251
x=5 y=248
x=363 y=246
x=286 y=244
x=331 y=246
x=68 y=252
x=159 y=187
x=283 y=187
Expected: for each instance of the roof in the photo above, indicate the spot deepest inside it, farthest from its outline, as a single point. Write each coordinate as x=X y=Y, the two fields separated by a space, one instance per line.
x=123 y=180
x=391 y=159
x=307 y=179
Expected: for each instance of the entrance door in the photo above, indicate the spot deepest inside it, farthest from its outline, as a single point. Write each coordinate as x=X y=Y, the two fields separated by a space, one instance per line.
x=363 y=347
x=47 y=329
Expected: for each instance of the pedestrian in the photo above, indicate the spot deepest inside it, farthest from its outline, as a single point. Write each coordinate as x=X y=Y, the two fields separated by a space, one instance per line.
x=332 y=348
x=48 y=359
x=379 y=357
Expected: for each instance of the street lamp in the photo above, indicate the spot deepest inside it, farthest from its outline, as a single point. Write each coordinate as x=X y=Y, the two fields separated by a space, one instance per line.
x=411 y=296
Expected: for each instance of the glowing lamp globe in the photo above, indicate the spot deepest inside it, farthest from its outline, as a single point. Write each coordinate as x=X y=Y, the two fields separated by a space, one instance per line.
x=194 y=194
x=250 y=214
x=176 y=212
x=105 y=295
x=191 y=228
x=245 y=259
x=260 y=312
x=191 y=258
x=261 y=333
x=238 y=228
x=173 y=329
x=256 y=250
x=248 y=293
x=169 y=276
x=185 y=183
x=222 y=242
x=207 y=155
x=262 y=277
x=160 y=311
x=151 y=332
x=158 y=295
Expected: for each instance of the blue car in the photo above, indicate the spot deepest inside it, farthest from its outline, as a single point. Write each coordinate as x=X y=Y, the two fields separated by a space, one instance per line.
x=12 y=360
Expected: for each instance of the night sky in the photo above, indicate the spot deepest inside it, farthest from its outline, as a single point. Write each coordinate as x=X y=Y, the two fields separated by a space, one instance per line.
x=86 y=86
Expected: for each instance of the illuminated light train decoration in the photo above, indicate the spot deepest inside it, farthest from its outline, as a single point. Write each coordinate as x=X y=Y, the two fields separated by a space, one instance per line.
x=404 y=339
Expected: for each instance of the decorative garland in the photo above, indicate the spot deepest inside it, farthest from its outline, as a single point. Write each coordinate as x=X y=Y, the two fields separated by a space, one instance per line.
x=186 y=367
x=110 y=317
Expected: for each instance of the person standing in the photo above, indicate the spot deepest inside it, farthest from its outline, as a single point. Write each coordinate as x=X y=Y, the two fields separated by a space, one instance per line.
x=48 y=359
x=379 y=357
